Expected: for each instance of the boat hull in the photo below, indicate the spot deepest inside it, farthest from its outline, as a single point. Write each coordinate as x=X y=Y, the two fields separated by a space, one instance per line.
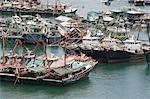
x=25 y=12
x=14 y=79
x=147 y=55
x=110 y=56
x=30 y=80
x=34 y=38
x=34 y=12
x=53 y=39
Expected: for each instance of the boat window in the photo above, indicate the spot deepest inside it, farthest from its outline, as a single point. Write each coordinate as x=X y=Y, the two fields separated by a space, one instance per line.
x=36 y=30
x=66 y=76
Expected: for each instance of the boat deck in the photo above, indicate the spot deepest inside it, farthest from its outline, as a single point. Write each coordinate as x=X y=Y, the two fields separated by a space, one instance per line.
x=14 y=37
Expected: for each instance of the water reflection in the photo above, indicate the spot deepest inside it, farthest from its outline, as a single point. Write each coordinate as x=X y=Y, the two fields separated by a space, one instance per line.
x=29 y=91
x=147 y=70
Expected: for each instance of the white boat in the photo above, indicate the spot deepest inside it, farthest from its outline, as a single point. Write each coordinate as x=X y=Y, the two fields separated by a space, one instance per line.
x=133 y=46
x=92 y=38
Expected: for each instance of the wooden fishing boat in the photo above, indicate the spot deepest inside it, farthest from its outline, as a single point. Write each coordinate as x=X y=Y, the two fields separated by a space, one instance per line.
x=114 y=51
x=46 y=69
x=36 y=72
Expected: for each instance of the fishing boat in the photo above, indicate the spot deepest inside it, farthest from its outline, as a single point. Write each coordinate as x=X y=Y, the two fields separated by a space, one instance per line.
x=35 y=29
x=34 y=7
x=103 y=53
x=14 y=29
x=73 y=71
x=54 y=36
x=114 y=51
x=131 y=1
x=47 y=69
x=93 y=37
x=147 y=2
x=38 y=73
x=139 y=2
x=70 y=29
x=134 y=14
x=106 y=2
x=3 y=25
x=116 y=13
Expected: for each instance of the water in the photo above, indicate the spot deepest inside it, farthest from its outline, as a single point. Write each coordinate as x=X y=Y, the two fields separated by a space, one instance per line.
x=85 y=6
x=106 y=81
x=121 y=81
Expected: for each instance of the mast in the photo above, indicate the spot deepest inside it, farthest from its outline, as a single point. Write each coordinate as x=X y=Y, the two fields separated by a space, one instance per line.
x=148 y=30
x=65 y=54
x=45 y=53
x=47 y=4
x=3 y=46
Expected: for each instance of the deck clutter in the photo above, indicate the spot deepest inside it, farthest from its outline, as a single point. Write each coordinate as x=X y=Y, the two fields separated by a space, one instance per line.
x=35 y=7
x=26 y=67
x=140 y=2
x=106 y=36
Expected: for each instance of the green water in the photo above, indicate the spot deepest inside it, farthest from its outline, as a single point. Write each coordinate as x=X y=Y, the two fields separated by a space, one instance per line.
x=113 y=81
x=121 y=81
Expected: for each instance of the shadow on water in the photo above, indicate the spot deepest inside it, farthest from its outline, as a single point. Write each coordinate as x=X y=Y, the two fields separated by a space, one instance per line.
x=119 y=66
x=48 y=90
x=117 y=71
x=147 y=70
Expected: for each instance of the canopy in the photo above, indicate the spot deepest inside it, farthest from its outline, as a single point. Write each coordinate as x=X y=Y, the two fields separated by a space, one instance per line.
x=73 y=66
x=63 y=18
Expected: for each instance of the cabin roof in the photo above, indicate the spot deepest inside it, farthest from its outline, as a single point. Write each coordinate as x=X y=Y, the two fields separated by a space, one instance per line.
x=135 y=12
x=26 y=16
x=63 y=18
x=36 y=69
x=117 y=11
x=69 y=69
x=107 y=18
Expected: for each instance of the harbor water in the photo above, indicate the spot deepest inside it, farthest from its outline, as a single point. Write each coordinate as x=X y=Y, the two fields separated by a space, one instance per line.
x=107 y=81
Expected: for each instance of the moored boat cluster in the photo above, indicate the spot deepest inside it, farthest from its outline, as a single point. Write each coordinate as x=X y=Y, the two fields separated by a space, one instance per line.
x=106 y=36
